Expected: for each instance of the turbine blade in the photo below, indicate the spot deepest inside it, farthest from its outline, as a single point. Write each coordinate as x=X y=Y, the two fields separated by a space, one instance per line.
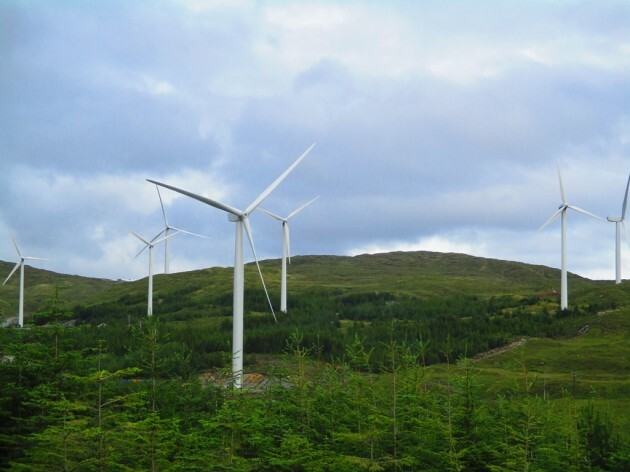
x=276 y=182
x=141 y=238
x=553 y=217
x=268 y=213
x=12 y=272
x=153 y=243
x=159 y=234
x=207 y=201
x=295 y=212
x=32 y=258
x=162 y=205
x=248 y=231
x=564 y=198
x=588 y=213
x=146 y=243
x=625 y=201
x=17 y=249
x=188 y=232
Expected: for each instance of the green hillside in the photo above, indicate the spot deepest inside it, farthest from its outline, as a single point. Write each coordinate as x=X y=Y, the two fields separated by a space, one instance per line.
x=475 y=303
x=40 y=284
x=426 y=274
x=398 y=361
x=423 y=274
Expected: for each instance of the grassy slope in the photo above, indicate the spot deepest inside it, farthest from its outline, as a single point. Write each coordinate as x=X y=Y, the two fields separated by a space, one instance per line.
x=426 y=273
x=417 y=273
x=39 y=285
x=599 y=358
x=594 y=365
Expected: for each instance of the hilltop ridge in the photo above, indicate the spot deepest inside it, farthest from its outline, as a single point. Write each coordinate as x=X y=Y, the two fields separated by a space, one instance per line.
x=417 y=273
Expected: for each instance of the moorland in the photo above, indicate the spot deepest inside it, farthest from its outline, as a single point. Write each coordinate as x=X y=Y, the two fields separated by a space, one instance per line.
x=397 y=361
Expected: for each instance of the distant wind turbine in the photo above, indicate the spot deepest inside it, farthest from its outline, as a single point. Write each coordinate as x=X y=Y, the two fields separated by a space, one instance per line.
x=619 y=221
x=150 y=245
x=562 y=210
x=286 y=249
x=241 y=220
x=20 y=264
x=166 y=231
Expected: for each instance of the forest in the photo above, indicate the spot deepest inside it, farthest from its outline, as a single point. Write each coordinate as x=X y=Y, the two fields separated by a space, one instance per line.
x=350 y=379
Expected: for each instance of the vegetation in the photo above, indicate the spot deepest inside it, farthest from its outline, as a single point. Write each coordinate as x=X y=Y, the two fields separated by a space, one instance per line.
x=386 y=362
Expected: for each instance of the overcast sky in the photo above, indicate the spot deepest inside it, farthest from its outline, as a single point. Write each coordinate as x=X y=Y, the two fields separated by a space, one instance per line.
x=438 y=127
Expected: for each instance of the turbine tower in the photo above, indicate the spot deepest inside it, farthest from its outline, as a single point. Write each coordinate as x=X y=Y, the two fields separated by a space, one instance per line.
x=166 y=231
x=241 y=220
x=150 y=245
x=20 y=264
x=562 y=211
x=286 y=249
x=619 y=221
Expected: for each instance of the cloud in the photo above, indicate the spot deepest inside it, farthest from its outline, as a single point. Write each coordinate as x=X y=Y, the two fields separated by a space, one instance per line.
x=438 y=125
x=100 y=212
x=442 y=243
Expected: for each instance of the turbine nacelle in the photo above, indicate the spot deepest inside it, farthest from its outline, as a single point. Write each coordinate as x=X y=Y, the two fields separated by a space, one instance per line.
x=614 y=219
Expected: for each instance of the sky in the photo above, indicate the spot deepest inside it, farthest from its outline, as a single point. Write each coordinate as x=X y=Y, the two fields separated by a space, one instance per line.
x=439 y=125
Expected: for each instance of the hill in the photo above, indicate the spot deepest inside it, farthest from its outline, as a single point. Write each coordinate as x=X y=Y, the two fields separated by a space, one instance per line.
x=474 y=303
x=422 y=274
x=398 y=361
x=40 y=285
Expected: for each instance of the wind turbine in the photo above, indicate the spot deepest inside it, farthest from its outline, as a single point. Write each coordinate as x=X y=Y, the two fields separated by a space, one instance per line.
x=20 y=264
x=619 y=221
x=241 y=220
x=150 y=245
x=562 y=211
x=286 y=249
x=166 y=230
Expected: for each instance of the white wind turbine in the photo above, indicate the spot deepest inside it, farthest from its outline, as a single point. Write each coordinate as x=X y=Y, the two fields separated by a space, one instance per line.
x=241 y=220
x=619 y=221
x=20 y=264
x=562 y=210
x=286 y=249
x=150 y=245
x=166 y=231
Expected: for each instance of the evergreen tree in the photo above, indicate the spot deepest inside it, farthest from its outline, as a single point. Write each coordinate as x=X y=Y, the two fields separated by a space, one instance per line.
x=596 y=432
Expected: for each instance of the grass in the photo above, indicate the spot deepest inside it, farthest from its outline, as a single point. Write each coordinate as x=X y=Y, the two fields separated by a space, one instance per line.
x=594 y=366
x=602 y=351
x=423 y=274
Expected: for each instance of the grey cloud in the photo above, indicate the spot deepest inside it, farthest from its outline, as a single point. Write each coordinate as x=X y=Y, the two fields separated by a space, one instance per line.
x=110 y=93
